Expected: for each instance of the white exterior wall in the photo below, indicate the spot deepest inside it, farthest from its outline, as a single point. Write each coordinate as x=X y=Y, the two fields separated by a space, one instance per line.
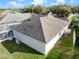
x=52 y=43
x=37 y=45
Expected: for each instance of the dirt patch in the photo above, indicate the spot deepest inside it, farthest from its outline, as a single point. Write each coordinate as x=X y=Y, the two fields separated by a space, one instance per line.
x=3 y=57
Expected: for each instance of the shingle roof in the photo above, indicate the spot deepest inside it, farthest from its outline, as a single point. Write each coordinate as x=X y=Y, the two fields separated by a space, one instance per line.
x=51 y=27
x=41 y=28
x=15 y=17
x=6 y=12
x=31 y=28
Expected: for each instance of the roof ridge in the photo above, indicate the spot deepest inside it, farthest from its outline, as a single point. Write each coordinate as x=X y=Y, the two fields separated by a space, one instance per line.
x=57 y=18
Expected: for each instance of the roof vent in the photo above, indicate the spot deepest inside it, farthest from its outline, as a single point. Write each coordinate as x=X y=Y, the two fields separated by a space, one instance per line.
x=29 y=34
x=29 y=27
x=29 y=20
x=25 y=29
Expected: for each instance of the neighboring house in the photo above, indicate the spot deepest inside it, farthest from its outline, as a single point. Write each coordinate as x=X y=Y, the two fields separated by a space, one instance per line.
x=1 y=17
x=11 y=20
x=7 y=12
x=40 y=33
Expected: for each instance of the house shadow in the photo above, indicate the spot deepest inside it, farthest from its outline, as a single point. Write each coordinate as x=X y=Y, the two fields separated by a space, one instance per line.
x=12 y=47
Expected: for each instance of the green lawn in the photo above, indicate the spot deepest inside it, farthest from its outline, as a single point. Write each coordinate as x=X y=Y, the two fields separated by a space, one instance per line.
x=77 y=44
x=11 y=50
x=62 y=50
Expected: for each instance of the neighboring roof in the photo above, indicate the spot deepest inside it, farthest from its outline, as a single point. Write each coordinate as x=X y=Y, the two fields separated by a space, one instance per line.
x=6 y=12
x=42 y=29
x=2 y=16
x=15 y=17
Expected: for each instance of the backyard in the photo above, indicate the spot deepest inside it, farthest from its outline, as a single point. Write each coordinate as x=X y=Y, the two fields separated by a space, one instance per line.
x=62 y=50
x=11 y=50
x=76 y=49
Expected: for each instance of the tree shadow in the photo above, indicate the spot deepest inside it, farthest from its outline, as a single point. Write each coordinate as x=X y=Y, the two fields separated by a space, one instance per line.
x=77 y=42
x=12 y=47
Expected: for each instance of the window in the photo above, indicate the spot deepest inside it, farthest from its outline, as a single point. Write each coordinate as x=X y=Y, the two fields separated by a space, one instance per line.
x=9 y=34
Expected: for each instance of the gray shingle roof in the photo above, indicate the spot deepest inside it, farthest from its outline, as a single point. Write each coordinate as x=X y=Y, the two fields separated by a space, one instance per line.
x=52 y=26
x=31 y=28
x=6 y=12
x=15 y=17
x=41 y=28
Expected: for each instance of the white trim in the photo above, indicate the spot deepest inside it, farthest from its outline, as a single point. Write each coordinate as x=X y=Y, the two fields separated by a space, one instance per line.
x=52 y=43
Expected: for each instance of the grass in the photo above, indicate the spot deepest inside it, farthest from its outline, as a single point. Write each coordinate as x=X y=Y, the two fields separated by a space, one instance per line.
x=76 y=49
x=62 y=50
x=11 y=50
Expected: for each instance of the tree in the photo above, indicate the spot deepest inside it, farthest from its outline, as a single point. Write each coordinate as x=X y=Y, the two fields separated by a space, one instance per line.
x=76 y=9
x=37 y=9
x=74 y=21
x=60 y=10
x=27 y=9
x=45 y=11
x=73 y=10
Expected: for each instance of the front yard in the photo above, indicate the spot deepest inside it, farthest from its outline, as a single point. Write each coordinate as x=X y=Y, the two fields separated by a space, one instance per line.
x=62 y=50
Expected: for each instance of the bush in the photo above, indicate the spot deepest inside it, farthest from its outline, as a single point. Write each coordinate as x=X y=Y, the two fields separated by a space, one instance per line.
x=72 y=18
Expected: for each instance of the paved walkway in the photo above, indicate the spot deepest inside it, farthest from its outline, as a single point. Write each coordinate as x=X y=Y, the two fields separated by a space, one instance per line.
x=3 y=40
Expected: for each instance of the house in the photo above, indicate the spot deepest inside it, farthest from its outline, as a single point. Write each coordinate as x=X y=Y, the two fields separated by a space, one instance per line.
x=11 y=20
x=40 y=33
x=7 y=12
